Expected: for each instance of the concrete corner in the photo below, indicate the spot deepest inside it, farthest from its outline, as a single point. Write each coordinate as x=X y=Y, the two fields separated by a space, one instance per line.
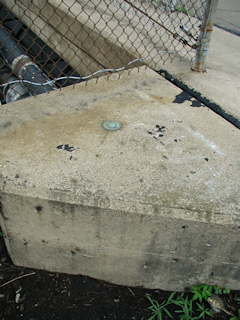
x=154 y=204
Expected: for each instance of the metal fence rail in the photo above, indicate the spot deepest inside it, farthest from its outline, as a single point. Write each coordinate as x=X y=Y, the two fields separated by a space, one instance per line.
x=72 y=40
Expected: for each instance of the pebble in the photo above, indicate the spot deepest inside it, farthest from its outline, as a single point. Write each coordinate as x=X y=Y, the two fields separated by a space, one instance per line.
x=216 y=303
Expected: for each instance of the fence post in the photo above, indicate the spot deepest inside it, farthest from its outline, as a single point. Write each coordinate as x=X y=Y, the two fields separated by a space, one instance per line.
x=205 y=35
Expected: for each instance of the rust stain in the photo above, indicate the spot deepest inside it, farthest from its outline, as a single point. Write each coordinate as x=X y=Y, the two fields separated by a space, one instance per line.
x=163 y=99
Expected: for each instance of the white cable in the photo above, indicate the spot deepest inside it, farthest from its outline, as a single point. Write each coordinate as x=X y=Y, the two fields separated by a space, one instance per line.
x=51 y=82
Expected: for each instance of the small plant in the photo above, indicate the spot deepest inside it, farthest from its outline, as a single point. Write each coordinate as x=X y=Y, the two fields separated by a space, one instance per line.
x=203 y=311
x=218 y=290
x=158 y=309
x=202 y=292
x=186 y=311
x=181 y=9
x=237 y=317
x=189 y=307
x=1 y=234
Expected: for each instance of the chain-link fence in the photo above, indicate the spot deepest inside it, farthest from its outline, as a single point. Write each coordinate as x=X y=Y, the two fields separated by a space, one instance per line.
x=48 y=44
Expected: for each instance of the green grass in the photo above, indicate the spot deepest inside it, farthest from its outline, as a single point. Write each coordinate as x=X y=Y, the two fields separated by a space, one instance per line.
x=158 y=309
x=188 y=306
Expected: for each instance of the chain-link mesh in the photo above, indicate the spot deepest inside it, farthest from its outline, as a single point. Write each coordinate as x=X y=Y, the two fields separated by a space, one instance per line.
x=72 y=40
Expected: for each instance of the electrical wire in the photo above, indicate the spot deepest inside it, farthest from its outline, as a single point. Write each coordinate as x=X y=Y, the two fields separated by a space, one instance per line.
x=50 y=82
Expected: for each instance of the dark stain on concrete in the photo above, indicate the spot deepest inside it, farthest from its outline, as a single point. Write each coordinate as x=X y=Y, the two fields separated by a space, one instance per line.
x=66 y=147
x=160 y=128
x=6 y=124
x=39 y=209
x=184 y=96
x=155 y=132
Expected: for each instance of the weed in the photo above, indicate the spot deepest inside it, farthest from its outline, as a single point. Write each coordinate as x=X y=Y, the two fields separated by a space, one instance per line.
x=183 y=10
x=178 y=8
x=203 y=311
x=157 y=309
x=202 y=292
x=186 y=311
x=1 y=234
x=237 y=317
x=187 y=307
x=218 y=290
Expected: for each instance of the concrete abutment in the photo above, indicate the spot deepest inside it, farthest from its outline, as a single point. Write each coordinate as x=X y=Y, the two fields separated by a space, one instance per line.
x=153 y=204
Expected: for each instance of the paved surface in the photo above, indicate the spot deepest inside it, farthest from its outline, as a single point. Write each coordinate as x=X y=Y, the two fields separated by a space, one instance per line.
x=228 y=16
x=155 y=203
x=220 y=82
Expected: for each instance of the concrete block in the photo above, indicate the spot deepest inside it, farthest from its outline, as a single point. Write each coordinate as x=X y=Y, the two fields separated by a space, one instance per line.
x=153 y=204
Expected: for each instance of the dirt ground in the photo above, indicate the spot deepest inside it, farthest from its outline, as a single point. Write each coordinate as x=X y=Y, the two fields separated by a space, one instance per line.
x=38 y=295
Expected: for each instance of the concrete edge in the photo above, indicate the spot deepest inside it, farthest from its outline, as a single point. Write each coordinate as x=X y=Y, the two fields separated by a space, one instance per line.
x=200 y=97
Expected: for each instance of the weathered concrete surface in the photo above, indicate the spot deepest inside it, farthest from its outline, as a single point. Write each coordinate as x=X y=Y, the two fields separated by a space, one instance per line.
x=154 y=204
x=220 y=82
x=228 y=16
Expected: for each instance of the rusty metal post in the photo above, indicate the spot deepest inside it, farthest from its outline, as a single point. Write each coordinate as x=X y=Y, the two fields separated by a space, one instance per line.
x=205 y=35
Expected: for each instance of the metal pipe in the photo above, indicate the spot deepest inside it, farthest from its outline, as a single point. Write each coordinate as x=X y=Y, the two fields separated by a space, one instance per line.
x=205 y=35
x=13 y=90
x=33 y=78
